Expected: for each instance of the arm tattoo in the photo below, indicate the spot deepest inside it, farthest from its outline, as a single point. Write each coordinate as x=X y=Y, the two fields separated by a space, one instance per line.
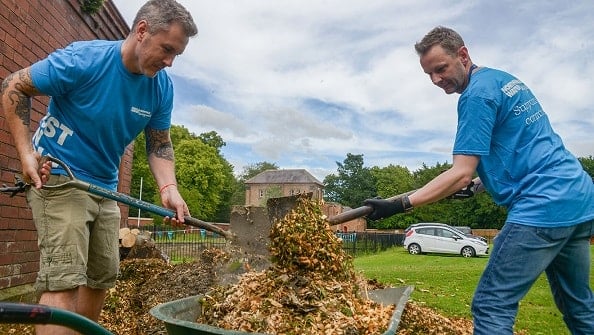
x=19 y=94
x=159 y=143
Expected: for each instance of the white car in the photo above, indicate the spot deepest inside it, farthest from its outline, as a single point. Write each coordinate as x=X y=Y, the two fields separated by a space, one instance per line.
x=442 y=238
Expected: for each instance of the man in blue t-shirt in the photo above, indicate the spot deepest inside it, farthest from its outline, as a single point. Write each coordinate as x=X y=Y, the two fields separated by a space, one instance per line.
x=505 y=137
x=103 y=94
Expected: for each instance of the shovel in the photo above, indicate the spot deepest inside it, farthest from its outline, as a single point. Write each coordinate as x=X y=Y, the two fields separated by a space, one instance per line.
x=120 y=197
x=252 y=223
x=360 y=211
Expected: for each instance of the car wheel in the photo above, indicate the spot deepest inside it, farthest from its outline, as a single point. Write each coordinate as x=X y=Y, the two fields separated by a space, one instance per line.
x=414 y=249
x=468 y=252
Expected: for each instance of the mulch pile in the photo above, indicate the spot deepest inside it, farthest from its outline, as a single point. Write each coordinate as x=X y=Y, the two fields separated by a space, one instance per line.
x=311 y=287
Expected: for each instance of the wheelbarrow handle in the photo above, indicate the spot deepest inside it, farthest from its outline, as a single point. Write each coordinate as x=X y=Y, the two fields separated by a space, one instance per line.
x=360 y=211
x=131 y=201
x=40 y=314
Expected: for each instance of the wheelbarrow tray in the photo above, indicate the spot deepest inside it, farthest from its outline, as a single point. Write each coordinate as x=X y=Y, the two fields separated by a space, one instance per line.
x=180 y=315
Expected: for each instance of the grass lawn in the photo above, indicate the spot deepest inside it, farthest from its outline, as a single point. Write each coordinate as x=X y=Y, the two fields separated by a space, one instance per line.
x=446 y=283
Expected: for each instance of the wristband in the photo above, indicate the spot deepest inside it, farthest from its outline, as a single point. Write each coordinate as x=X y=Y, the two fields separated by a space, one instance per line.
x=166 y=186
x=406 y=205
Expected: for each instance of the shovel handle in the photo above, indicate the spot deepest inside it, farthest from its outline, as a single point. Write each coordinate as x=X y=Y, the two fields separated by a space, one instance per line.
x=208 y=226
x=360 y=211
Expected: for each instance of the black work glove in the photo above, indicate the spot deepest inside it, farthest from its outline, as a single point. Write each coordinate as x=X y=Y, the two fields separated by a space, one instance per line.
x=464 y=193
x=384 y=208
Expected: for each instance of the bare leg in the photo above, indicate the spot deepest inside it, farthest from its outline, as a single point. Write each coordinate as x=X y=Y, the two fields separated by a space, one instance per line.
x=83 y=300
x=61 y=299
x=90 y=302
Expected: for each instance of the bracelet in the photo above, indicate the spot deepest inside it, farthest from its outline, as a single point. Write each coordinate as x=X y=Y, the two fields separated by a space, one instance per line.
x=166 y=186
x=406 y=204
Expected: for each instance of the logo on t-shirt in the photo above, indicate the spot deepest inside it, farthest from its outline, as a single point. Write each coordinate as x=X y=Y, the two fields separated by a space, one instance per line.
x=51 y=128
x=513 y=87
x=140 y=112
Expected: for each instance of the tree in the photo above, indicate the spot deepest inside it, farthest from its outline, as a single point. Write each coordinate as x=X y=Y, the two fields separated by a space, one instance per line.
x=487 y=213
x=230 y=186
x=200 y=177
x=205 y=178
x=392 y=180
x=588 y=165
x=440 y=211
x=426 y=173
x=353 y=184
x=212 y=139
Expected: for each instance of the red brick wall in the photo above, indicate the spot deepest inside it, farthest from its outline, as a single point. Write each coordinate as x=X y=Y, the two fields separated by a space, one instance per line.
x=29 y=30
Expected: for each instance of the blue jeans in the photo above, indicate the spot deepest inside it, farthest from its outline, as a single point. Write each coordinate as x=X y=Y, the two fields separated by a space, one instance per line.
x=520 y=254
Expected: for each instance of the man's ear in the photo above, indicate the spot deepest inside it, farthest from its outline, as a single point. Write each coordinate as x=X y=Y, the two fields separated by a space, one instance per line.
x=141 y=29
x=463 y=54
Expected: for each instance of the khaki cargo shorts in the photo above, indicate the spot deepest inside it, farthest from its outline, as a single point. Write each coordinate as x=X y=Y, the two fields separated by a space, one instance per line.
x=77 y=238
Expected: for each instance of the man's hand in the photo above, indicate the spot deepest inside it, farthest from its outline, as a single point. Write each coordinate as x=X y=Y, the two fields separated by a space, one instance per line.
x=171 y=199
x=384 y=208
x=36 y=170
x=464 y=193
x=469 y=191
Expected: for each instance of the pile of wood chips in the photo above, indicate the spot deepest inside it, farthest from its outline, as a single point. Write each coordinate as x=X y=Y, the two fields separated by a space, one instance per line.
x=311 y=288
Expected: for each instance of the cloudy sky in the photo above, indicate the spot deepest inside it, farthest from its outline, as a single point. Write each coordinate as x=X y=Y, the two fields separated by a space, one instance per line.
x=301 y=83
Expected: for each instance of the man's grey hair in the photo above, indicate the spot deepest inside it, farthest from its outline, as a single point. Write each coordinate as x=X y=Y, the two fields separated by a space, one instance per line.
x=445 y=37
x=161 y=14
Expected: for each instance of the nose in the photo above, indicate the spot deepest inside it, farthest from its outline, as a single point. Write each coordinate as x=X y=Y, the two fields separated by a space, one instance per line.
x=435 y=78
x=168 y=61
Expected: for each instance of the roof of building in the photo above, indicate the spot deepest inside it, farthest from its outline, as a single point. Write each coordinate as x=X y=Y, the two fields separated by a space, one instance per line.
x=289 y=176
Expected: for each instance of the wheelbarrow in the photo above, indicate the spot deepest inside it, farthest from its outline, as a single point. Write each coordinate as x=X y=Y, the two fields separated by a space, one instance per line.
x=180 y=315
x=11 y=312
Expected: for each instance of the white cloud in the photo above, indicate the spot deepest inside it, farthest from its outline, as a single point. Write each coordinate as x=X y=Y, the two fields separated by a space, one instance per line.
x=205 y=117
x=303 y=83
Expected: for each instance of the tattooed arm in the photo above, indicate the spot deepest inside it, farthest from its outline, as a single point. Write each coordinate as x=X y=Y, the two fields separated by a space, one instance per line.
x=15 y=96
x=159 y=152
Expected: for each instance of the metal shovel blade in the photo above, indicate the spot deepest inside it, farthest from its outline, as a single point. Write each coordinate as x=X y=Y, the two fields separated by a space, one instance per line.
x=252 y=224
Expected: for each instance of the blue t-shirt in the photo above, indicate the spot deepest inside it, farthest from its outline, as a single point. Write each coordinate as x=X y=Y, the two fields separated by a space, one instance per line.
x=97 y=108
x=523 y=162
